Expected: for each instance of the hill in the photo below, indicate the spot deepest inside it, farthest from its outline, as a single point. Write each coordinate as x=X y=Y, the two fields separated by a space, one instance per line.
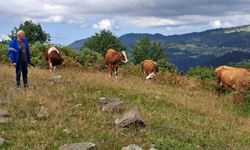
x=186 y=116
x=77 y=45
x=198 y=48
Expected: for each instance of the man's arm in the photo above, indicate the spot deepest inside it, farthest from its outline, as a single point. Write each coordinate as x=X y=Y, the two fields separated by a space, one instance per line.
x=12 y=52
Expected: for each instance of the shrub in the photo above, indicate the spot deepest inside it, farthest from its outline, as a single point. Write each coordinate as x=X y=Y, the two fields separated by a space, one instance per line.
x=164 y=66
x=4 y=57
x=89 y=58
x=202 y=73
x=37 y=53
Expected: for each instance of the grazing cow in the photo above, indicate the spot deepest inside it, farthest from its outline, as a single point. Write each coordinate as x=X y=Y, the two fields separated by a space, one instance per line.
x=54 y=58
x=235 y=78
x=149 y=68
x=113 y=59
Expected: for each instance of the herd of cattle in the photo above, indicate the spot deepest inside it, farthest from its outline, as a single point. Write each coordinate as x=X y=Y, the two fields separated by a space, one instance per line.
x=237 y=79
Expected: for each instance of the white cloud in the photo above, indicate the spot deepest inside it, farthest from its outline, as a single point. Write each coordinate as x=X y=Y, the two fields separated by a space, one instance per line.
x=106 y=24
x=219 y=24
x=4 y=37
x=83 y=25
x=153 y=22
x=216 y=24
x=52 y=19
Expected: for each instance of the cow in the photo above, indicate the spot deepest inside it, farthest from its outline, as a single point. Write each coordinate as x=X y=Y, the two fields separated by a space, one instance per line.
x=113 y=59
x=53 y=57
x=237 y=79
x=149 y=68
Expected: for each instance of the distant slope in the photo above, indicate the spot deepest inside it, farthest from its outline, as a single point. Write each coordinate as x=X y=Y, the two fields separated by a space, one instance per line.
x=77 y=45
x=188 y=50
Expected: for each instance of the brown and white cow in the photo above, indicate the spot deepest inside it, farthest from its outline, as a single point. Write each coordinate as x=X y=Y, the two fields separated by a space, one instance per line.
x=113 y=59
x=149 y=68
x=235 y=78
x=53 y=57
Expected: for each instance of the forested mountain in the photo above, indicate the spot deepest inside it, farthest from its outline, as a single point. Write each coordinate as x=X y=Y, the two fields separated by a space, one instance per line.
x=209 y=48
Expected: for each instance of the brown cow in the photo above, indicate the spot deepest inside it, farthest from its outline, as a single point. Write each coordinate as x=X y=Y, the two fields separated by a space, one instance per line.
x=235 y=78
x=53 y=57
x=113 y=59
x=149 y=68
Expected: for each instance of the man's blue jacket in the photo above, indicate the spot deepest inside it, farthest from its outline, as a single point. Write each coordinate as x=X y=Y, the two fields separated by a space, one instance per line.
x=14 y=51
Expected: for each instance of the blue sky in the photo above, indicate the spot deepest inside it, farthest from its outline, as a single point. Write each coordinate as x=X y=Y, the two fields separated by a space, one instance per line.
x=70 y=20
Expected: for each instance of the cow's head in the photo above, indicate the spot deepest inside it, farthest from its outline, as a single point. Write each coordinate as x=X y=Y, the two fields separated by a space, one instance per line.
x=151 y=76
x=123 y=57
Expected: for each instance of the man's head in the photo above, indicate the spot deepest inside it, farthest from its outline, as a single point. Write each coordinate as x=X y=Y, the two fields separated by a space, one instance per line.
x=20 y=34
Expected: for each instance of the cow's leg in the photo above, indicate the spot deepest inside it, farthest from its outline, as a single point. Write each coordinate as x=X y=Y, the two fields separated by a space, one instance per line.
x=54 y=68
x=116 y=71
x=50 y=65
x=110 y=71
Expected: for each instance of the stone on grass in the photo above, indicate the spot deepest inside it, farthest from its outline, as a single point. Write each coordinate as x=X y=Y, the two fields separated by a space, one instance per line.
x=78 y=146
x=4 y=116
x=4 y=113
x=2 y=141
x=56 y=79
x=132 y=117
x=132 y=147
x=110 y=105
x=41 y=113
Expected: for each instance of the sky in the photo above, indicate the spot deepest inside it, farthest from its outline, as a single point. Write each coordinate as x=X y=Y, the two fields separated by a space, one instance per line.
x=70 y=20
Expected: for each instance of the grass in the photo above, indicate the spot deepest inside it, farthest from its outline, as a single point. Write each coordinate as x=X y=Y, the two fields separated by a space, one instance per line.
x=186 y=116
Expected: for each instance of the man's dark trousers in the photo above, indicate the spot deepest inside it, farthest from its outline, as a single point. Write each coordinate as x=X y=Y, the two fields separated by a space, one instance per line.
x=22 y=67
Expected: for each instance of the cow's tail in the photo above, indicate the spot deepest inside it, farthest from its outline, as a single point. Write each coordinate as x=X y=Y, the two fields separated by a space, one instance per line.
x=141 y=64
x=156 y=68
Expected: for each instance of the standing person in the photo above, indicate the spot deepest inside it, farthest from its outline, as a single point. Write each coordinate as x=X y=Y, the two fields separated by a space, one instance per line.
x=19 y=54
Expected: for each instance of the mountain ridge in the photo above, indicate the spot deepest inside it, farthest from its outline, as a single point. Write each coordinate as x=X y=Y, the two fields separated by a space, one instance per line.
x=196 y=46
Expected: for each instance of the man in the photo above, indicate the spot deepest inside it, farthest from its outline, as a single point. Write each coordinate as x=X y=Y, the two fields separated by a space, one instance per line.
x=19 y=54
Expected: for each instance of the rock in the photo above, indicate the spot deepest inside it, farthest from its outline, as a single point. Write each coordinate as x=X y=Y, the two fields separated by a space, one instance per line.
x=41 y=113
x=78 y=146
x=110 y=105
x=132 y=117
x=4 y=116
x=132 y=147
x=4 y=120
x=4 y=113
x=2 y=141
x=56 y=79
x=152 y=149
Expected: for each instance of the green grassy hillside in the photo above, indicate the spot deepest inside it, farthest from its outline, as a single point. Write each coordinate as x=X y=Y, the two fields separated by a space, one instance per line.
x=189 y=115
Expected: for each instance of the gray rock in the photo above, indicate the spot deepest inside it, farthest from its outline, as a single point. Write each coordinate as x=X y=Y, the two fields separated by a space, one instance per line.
x=152 y=149
x=110 y=105
x=132 y=117
x=2 y=141
x=132 y=147
x=41 y=113
x=4 y=113
x=4 y=120
x=78 y=146
x=56 y=79
x=4 y=116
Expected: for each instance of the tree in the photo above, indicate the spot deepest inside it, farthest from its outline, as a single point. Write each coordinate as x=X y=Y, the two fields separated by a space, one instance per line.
x=33 y=32
x=147 y=49
x=101 y=42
